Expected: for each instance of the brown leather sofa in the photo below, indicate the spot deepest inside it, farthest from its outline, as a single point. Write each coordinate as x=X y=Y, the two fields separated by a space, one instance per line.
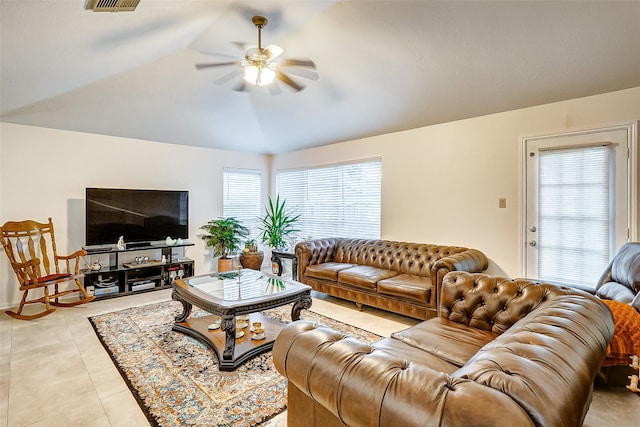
x=502 y=352
x=395 y=276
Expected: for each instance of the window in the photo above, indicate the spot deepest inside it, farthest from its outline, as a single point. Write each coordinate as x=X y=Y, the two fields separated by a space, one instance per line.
x=334 y=201
x=242 y=197
x=574 y=202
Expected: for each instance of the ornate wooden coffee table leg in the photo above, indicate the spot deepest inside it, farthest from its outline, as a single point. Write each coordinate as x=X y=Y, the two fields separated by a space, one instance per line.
x=228 y=325
x=303 y=303
x=186 y=308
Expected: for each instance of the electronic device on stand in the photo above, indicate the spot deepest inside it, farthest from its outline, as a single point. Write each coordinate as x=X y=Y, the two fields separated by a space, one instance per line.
x=127 y=243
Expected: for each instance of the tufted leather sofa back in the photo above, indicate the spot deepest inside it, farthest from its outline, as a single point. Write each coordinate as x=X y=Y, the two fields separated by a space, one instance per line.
x=318 y=250
x=403 y=257
x=491 y=303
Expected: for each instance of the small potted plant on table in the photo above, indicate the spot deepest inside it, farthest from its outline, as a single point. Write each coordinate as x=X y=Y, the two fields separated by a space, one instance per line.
x=251 y=257
x=224 y=236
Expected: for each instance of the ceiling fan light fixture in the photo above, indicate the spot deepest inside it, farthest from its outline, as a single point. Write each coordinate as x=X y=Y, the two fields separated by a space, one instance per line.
x=259 y=75
x=263 y=66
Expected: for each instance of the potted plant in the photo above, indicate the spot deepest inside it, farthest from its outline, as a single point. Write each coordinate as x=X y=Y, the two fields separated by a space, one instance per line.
x=277 y=224
x=250 y=246
x=251 y=257
x=224 y=236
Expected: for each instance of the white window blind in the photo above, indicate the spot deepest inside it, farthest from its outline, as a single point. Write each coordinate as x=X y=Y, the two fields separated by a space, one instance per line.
x=334 y=201
x=574 y=211
x=242 y=197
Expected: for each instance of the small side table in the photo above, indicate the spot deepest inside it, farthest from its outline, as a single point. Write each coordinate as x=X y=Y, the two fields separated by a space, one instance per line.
x=278 y=256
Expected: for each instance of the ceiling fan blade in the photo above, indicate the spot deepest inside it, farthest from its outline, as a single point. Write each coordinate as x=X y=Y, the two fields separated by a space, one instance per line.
x=298 y=63
x=242 y=87
x=242 y=45
x=229 y=76
x=274 y=88
x=303 y=72
x=218 y=54
x=273 y=51
x=287 y=80
x=216 y=64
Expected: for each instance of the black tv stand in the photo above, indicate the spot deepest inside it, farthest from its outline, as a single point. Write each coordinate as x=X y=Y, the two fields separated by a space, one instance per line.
x=138 y=245
x=99 y=250
x=118 y=275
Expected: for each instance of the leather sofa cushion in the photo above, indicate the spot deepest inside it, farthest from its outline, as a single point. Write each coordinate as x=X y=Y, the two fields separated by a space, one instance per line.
x=364 y=276
x=399 y=349
x=616 y=291
x=407 y=286
x=448 y=340
x=327 y=270
x=624 y=267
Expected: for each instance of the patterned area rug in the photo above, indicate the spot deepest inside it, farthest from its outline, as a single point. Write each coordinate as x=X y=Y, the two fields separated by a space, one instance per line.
x=175 y=378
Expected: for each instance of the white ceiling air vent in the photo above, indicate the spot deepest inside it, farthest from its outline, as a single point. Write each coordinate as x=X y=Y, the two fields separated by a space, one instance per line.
x=112 y=5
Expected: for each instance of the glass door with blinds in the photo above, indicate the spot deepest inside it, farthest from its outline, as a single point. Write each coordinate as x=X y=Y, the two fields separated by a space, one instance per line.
x=577 y=204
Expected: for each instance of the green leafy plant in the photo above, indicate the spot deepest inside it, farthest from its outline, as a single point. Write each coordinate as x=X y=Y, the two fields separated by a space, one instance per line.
x=277 y=224
x=250 y=246
x=224 y=235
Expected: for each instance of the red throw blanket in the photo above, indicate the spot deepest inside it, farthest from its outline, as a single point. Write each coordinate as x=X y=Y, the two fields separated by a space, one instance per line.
x=626 y=337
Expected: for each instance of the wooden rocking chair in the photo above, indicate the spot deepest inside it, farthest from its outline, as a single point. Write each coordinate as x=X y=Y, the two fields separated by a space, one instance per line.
x=27 y=244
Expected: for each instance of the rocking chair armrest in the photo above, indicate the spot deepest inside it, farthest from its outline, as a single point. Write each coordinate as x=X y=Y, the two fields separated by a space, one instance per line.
x=33 y=262
x=27 y=273
x=76 y=254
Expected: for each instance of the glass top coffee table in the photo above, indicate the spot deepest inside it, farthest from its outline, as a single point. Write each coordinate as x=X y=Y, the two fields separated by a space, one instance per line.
x=235 y=330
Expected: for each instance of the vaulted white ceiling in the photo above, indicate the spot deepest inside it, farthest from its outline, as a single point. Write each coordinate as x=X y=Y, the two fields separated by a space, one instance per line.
x=384 y=66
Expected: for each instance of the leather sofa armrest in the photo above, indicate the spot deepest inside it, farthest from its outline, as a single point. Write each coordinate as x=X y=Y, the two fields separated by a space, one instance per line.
x=586 y=289
x=605 y=277
x=471 y=260
x=314 y=252
x=364 y=386
x=551 y=355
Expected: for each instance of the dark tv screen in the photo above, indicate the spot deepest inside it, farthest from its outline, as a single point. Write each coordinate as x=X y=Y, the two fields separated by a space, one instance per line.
x=138 y=215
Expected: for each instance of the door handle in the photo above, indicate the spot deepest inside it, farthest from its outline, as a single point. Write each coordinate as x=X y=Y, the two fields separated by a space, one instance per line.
x=533 y=243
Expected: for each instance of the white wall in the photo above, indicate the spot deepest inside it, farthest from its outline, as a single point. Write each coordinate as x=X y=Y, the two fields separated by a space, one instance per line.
x=44 y=173
x=441 y=183
x=1 y=186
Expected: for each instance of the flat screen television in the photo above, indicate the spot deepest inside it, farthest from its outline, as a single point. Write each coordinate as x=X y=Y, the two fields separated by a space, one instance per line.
x=141 y=216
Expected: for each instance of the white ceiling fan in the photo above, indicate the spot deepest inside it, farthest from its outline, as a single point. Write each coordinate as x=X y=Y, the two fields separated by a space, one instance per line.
x=264 y=66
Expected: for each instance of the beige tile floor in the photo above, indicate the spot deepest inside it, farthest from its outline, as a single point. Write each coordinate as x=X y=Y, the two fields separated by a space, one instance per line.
x=54 y=371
